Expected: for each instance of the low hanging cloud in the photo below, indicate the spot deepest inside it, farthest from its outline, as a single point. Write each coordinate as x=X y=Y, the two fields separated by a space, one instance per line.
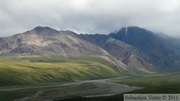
x=89 y=16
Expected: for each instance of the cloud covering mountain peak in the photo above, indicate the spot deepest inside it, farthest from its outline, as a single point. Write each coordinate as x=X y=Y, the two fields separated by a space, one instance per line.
x=89 y=16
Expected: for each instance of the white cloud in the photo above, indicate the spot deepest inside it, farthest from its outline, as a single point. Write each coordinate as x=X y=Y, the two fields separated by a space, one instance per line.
x=89 y=16
x=169 y=5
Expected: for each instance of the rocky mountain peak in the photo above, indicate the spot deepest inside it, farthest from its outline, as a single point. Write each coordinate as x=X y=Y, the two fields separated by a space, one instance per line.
x=158 y=48
x=39 y=30
x=132 y=33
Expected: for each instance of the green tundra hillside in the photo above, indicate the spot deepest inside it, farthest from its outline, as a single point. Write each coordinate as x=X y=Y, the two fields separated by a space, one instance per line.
x=16 y=70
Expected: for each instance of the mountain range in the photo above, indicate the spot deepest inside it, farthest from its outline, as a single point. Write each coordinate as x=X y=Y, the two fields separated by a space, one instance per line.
x=129 y=49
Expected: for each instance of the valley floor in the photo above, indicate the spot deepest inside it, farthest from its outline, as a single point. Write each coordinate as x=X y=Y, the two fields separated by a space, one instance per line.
x=89 y=88
x=95 y=90
x=168 y=83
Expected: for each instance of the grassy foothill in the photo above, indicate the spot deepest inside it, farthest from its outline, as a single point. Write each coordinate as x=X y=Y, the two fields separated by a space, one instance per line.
x=27 y=70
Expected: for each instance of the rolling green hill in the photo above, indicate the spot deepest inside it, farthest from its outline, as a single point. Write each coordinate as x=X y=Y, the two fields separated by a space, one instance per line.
x=18 y=70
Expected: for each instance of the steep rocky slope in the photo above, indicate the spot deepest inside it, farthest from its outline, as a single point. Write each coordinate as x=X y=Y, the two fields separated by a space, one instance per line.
x=125 y=53
x=48 y=41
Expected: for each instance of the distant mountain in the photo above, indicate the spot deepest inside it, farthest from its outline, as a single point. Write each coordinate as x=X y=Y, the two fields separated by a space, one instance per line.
x=132 y=49
x=160 y=51
x=48 y=41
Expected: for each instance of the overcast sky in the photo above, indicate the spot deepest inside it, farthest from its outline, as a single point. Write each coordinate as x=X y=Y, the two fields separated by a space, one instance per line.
x=89 y=16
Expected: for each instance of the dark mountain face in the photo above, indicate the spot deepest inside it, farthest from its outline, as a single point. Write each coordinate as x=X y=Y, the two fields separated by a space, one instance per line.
x=161 y=52
x=126 y=53
x=142 y=39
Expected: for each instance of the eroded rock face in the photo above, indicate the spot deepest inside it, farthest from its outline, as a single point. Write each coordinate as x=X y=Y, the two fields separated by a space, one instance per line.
x=48 y=41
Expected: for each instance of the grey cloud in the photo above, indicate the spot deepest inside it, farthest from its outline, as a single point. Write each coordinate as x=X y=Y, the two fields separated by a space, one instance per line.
x=89 y=16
